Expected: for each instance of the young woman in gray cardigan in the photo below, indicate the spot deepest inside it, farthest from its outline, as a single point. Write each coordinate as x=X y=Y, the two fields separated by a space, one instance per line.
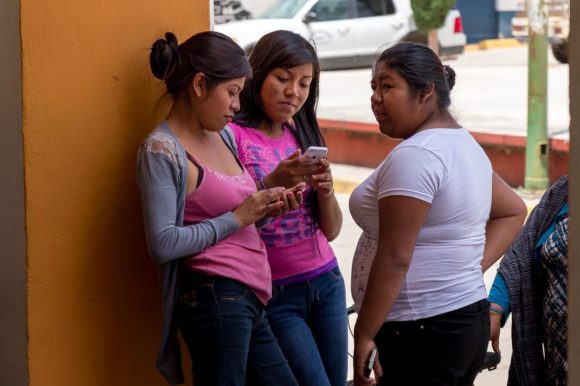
x=200 y=207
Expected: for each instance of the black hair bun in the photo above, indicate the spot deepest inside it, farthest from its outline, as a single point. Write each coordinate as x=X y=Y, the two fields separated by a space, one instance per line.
x=449 y=75
x=163 y=56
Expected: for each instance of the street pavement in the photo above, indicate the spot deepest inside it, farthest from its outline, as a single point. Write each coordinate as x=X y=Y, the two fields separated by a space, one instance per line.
x=346 y=178
x=490 y=93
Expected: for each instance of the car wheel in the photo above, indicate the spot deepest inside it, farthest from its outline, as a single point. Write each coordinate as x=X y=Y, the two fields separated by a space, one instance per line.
x=560 y=52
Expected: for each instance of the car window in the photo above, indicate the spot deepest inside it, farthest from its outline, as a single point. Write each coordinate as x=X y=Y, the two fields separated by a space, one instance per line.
x=327 y=10
x=283 y=9
x=368 y=8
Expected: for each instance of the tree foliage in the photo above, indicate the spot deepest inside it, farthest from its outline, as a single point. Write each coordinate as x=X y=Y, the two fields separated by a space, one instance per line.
x=430 y=14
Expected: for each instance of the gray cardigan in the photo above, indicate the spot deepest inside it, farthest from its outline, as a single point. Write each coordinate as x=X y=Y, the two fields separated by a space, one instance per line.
x=161 y=176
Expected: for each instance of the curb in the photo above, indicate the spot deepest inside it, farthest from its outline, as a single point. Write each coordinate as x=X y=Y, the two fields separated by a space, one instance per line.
x=488 y=44
x=344 y=186
x=361 y=144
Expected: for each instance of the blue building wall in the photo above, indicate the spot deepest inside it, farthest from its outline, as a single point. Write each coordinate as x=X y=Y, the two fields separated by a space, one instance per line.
x=505 y=24
x=480 y=19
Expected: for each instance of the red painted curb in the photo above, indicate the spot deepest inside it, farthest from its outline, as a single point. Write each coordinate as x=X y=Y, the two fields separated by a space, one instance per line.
x=362 y=144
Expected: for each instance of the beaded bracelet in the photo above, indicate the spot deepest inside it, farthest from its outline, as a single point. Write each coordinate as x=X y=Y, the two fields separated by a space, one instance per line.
x=496 y=310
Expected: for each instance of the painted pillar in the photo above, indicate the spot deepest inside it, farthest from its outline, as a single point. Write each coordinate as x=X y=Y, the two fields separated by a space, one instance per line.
x=79 y=298
x=574 y=194
x=13 y=340
x=537 y=149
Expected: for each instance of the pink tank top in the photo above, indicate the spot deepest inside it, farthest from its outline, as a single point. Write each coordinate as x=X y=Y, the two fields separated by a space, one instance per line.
x=240 y=256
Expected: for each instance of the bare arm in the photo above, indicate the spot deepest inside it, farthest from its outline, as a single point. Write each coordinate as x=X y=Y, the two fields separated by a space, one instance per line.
x=495 y=328
x=329 y=213
x=506 y=217
x=400 y=220
x=329 y=216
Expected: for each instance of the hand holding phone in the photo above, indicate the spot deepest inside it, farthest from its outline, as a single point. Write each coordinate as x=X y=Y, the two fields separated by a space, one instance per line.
x=298 y=188
x=371 y=363
x=315 y=153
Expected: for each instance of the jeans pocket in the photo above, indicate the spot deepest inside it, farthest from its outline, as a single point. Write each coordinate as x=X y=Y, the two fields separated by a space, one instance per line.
x=336 y=274
x=277 y=291
x=188 y=299
x=193 y=297
x=230 y=291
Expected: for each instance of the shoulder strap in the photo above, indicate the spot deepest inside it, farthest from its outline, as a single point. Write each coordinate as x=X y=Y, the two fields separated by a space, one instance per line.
x=228 y=137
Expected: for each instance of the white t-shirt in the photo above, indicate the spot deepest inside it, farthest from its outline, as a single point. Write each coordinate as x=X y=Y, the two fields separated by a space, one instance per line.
x=448 y=169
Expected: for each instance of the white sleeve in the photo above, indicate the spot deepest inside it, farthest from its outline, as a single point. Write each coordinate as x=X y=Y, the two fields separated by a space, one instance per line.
x=411 y=171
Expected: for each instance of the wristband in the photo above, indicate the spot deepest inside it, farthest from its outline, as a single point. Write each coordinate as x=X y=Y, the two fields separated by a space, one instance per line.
x=496 y=310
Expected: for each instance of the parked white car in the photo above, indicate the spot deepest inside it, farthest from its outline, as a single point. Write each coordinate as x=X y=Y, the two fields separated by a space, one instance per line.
x=346 y=33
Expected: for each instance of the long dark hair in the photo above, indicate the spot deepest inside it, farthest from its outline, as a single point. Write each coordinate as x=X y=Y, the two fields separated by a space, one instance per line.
x=421 y=67
x=211 y=53
x=282 y=49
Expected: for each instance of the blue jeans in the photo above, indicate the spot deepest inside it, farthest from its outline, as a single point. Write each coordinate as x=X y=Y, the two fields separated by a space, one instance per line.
x=224 y=326
x=310 y=322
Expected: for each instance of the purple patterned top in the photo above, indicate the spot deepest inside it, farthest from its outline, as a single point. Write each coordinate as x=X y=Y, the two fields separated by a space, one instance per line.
x=295 y=244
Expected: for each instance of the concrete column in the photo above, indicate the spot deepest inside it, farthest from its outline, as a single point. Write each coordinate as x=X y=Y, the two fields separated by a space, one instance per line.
x=79 y=299
x=574 y=194
x=13 y=341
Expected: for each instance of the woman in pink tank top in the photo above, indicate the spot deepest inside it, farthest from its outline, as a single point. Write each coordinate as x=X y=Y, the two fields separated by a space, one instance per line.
x=200 y=207
x=276 y=124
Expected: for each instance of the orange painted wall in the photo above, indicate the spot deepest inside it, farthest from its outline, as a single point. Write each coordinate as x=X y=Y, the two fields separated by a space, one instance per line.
x=88 y=101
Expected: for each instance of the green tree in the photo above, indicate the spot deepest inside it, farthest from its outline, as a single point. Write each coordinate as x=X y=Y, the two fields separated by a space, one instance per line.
x=430 y=15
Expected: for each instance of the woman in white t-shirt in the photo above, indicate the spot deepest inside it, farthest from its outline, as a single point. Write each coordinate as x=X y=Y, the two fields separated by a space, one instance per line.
x=434 y=217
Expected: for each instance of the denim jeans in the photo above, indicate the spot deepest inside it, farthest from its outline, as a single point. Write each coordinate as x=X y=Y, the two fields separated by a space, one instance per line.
x=224 y=326
x=310 y=322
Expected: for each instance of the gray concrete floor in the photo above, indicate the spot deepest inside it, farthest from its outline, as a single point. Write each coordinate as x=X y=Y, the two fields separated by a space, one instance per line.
x=490 y=93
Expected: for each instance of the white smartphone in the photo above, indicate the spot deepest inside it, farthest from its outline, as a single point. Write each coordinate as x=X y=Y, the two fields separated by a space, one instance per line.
x=370 y=363
x=316 y=153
